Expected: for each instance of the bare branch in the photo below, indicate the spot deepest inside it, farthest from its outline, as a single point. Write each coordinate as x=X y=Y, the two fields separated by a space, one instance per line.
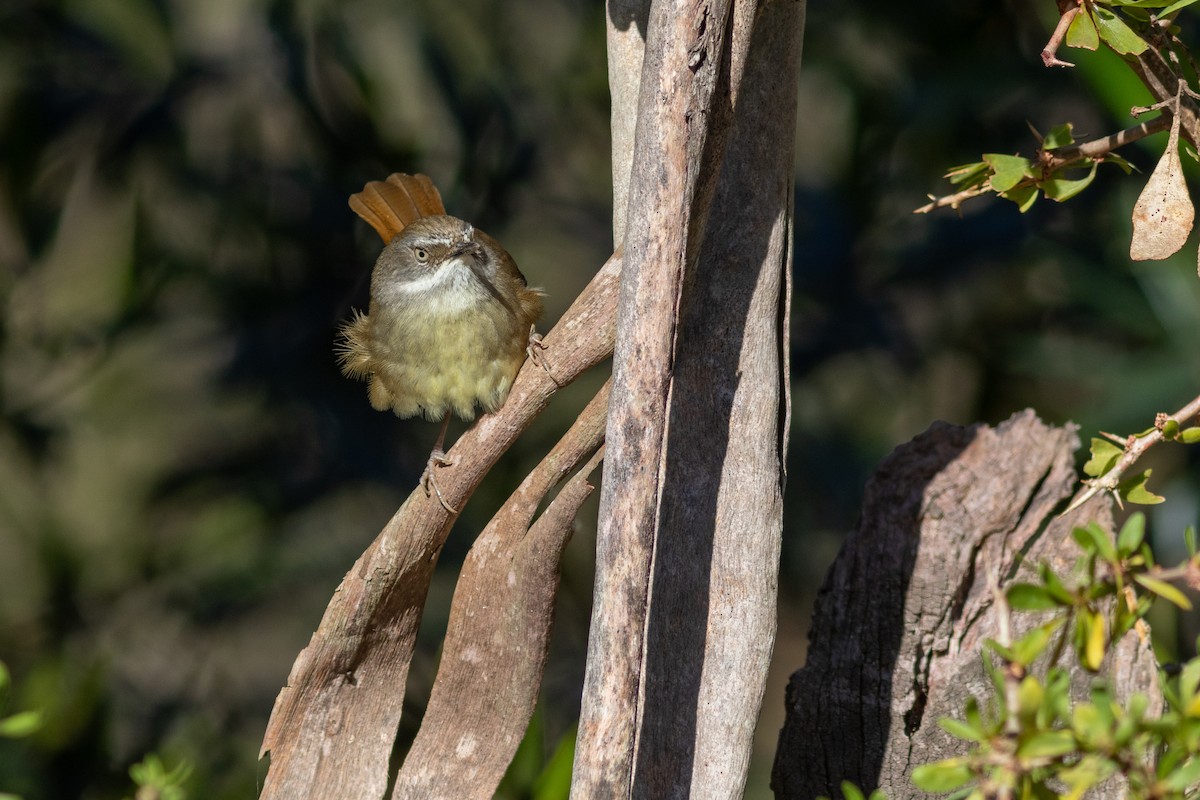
x=1049 y=52
x=495 y=647
x=1098 y=148
x=1163 y=80
x=952 y=200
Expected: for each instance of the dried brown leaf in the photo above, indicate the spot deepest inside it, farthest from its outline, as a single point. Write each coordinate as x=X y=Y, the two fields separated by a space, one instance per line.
x=1163 y=214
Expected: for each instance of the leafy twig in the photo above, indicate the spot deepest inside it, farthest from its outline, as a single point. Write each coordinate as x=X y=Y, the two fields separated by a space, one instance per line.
x=1135 y=446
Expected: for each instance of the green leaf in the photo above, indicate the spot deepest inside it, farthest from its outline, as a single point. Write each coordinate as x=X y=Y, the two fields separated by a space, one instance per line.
x=1171 y=9
x=554 y=782
x=1134 y=490
x=991 y=668
x=1090 y=770
x=1030 y=646
x=1137 y=705
x=1164 y=590
x=1054 y=585
x=1104 y=456
x=1133 y=532
x=1004 y=652
x=1048 y=744
x=21 y=724
x=1057 y=703
x=1138 y=3
x=851 y=792
x=1082 y=32
x=1190 y=435
x=1086 y=722
x=1085 y=541
x=1189 y=678
x=967 y=173
x=1059 y=136
x=1029 y=696
x=1114 y=158
x=1061 y=189
x=1031 y=597
x=1127 y=726
x=942 y=776
x=1023 y=196
x=1183 y=777
x=1094 y=539
x=1189 y=539
x=1116 y=34
x=1094 y=652
x=962 y=730
x=1007 y=171
x=1170 y=761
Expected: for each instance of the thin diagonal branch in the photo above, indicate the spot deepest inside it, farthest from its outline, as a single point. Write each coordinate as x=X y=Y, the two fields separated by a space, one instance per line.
x=1135 y=448
x=1098 y=148
x=495 y=648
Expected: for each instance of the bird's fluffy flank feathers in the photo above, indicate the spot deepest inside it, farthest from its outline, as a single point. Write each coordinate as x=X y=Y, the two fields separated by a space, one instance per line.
x=353 y=354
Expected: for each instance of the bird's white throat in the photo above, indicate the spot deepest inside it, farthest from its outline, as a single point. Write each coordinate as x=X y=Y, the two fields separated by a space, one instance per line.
x=451 y=287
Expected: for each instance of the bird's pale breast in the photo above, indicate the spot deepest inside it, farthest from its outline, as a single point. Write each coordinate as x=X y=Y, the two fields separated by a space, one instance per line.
x=445 y=349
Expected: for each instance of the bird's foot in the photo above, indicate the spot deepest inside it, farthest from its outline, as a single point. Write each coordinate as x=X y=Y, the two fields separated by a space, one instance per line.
x=429 y=481
x=536 y=349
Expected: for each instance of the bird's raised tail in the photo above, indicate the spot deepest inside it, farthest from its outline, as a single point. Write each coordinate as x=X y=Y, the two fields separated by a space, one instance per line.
x=388 y=206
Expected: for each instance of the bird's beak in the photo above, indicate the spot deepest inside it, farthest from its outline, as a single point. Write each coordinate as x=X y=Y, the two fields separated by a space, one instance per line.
x=465 y=247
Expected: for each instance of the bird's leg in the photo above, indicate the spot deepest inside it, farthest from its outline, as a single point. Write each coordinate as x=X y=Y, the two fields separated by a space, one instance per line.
x=535 y=349
x=437 y=458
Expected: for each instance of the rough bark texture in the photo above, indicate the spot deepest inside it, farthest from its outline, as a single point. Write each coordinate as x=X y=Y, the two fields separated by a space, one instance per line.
x=900 y=622
x=333 y=728
x=691 y=509
x=499 y=631
x=626 y=41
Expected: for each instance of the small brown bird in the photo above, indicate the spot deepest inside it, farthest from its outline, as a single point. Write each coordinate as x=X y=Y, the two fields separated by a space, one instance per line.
x=451 y=317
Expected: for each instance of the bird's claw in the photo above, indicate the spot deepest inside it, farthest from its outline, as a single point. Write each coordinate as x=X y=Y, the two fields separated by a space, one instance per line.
x=536 y=351
x=429 y=480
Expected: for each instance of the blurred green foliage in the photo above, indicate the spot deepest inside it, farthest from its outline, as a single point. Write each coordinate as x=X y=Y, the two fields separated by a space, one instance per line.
x=184 y=475
x=1034 y=737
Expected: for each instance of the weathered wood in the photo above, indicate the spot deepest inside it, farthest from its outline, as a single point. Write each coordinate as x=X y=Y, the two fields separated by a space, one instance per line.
x=495 y=648
x=691 y=509
x=333 y=728
x=900 y=622
x=626 y=43
x=669 y=195
x=711 y=627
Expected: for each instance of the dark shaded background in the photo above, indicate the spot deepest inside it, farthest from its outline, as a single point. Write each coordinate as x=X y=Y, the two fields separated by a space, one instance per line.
x=184 y=475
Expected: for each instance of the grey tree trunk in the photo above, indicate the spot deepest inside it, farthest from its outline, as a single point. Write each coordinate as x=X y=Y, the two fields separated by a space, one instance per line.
x=691 y=505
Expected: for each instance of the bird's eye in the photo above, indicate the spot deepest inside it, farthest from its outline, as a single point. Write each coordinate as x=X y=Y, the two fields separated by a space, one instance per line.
x=421 y=253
